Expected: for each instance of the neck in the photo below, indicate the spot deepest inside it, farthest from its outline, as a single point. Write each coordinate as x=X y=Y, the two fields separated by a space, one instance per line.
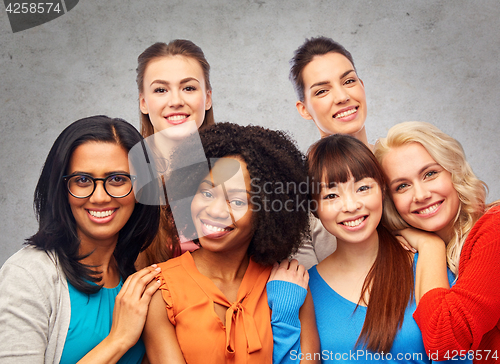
x=446 y=234
x=361 y=136
x=357 y=255
x=222 y=266
x=163 y=145
x=101 y=259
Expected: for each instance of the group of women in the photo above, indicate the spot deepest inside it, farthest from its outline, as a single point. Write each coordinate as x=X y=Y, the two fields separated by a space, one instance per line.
x=172 y=258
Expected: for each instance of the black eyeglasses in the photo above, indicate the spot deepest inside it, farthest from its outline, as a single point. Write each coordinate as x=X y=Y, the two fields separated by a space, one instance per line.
x=83 y=186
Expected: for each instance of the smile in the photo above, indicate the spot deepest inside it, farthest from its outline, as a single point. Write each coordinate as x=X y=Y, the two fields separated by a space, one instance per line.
x=176 y=117
x=101 y=214
x=345 y=113
x=216 y=229
x=429 y=209
x=354 y=223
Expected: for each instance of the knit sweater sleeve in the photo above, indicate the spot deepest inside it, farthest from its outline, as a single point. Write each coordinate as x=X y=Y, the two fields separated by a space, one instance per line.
x=285 y=300
x=25 y=312
x=457 y=318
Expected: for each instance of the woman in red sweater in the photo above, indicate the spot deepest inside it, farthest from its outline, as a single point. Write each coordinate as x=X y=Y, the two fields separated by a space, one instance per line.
x=435 y=192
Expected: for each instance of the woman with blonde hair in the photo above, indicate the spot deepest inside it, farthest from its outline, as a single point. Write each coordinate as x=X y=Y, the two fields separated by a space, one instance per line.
x=434 y=190
x=175 y=101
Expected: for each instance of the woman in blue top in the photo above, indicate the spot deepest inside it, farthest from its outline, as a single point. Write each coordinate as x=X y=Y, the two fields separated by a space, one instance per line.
x=363 y=292
x=65 y=297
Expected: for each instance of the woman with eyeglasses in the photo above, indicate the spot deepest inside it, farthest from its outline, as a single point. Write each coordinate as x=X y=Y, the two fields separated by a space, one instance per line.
x=72 y=293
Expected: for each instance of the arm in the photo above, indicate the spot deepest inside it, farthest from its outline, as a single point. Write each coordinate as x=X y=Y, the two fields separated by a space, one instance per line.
x=464 y=313
x=129 y=317
x=159 y=334
x=286 y=293
x=309 y=340
x=25 y=311
x=431 y=269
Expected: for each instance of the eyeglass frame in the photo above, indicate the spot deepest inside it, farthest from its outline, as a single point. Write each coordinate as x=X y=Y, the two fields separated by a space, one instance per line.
x=131 y=176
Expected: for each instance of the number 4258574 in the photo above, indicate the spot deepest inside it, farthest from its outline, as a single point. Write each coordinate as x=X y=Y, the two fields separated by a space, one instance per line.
x=32 y=8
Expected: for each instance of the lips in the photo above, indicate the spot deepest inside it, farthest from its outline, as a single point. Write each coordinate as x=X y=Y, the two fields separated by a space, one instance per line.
x=355 y=223
x=214 y=230
x=176 y=119
x=101 y=216
x=428 y=210
x=344 y=113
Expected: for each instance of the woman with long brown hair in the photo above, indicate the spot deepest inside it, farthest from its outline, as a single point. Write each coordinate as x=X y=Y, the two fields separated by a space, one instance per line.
x=175 y=101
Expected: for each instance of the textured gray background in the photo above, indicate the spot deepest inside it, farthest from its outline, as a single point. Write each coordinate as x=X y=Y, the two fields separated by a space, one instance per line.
x=435 y=61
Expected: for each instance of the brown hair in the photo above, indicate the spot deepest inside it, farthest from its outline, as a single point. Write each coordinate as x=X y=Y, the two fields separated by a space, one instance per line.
x=305 y=54
x=335 y=159
x=166 y=243
x=181 y=47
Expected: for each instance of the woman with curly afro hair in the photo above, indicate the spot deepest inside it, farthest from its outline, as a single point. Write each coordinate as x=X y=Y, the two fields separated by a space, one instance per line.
x=245 y=205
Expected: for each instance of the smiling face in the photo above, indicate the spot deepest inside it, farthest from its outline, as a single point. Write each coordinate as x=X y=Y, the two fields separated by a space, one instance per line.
x=334 y=96
x=100 y=217
x=352 y=210
x=421 y=189
x=175 y=95
x=220 y=209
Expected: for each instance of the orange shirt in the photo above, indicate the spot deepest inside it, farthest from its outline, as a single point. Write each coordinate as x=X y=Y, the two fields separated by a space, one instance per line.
x=190 y=297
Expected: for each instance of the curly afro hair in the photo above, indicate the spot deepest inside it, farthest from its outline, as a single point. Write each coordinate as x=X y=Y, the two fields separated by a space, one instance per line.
x=278 y=184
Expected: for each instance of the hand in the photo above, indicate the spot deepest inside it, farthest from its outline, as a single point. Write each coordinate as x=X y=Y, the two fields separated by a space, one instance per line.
x=292 y=272
x=131 y=306
x=414 y=239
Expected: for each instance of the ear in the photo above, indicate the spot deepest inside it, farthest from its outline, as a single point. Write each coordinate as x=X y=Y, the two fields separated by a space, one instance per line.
x=301 y=108
x=208 y=101
x=143 y=106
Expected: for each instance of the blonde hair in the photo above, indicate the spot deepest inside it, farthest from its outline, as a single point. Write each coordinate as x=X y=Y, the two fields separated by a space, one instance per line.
x=448 y=153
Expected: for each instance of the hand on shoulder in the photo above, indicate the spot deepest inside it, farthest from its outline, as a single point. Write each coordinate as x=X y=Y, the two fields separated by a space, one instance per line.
x=290 y=271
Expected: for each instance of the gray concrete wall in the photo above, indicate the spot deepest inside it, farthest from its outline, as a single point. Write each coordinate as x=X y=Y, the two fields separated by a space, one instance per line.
x=435 y=61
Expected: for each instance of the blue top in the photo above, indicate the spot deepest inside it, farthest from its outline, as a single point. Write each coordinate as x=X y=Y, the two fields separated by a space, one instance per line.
x=339 y=326
x=90 y=323
x=285 y=300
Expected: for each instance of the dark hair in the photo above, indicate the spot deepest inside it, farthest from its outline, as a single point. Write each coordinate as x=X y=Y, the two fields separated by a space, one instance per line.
x=57 y=227
x=305 y=54
x=181 y=47
x=335 y=159
x=273 y=161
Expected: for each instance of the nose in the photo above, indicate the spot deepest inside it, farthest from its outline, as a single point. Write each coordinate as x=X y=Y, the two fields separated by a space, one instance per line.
x=340 y=95
x=350 y=203
x=420 y=192
x=100 y=195
x=218 y=208
x=175 y=99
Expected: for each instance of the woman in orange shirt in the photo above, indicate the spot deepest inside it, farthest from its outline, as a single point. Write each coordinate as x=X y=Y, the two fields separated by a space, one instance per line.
x=246 y=212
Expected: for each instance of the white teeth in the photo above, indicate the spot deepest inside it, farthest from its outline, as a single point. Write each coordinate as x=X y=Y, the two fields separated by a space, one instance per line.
x=101 y=213
x=429 y=209
x=345 y=113
x=353 y=223
x=215 y=228
x=176 y=117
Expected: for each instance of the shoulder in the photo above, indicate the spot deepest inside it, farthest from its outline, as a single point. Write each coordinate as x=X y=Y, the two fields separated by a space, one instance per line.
x=488 y=224
x=39 y=265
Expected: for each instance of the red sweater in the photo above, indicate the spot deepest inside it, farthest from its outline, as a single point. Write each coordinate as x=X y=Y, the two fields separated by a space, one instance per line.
x=467 y=316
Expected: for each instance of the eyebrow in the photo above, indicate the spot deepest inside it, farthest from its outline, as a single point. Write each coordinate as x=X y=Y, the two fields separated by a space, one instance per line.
x=321 y=83
x=397 y=180
x=210 y=183
x=183 y=81
x=105 y=174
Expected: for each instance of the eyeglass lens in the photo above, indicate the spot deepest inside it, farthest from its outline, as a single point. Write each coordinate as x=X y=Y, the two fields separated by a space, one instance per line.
x=116 y=185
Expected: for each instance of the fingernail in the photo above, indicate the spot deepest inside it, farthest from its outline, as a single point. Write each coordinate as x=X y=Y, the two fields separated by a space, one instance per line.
x=154 y=265
x=158 y=269
x=158 y=281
